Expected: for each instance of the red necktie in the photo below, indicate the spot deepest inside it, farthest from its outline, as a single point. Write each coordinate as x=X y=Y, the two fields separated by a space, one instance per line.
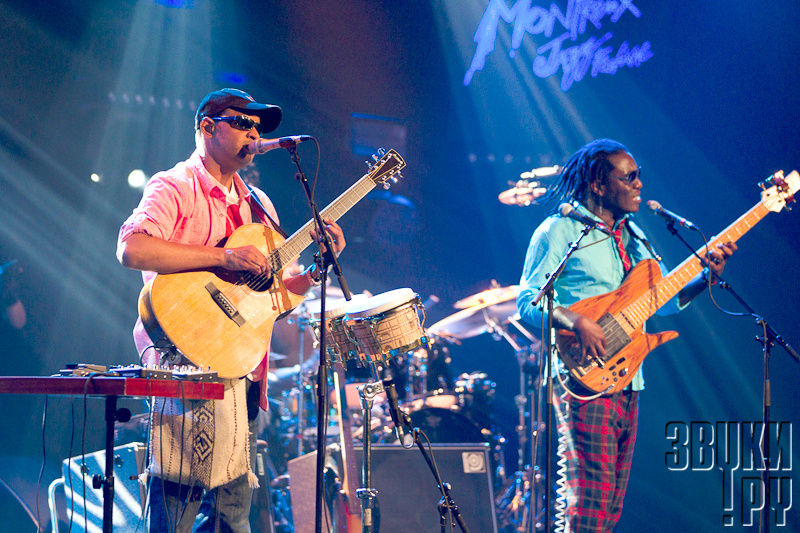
x=617 y=234
x=234 y=219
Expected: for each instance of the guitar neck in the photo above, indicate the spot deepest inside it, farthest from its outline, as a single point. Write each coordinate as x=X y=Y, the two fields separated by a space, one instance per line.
x=300 y=239
x=652 y=300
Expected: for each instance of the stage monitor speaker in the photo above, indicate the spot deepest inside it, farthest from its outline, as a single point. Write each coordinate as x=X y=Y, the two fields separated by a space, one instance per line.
x=407 y=493
x=128 y=492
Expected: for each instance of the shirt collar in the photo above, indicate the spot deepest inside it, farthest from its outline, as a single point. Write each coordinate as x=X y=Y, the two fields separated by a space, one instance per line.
x=209 y=183
x=582 y=209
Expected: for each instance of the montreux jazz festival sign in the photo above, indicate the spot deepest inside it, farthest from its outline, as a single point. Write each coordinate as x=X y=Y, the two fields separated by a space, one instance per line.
x=581 y=48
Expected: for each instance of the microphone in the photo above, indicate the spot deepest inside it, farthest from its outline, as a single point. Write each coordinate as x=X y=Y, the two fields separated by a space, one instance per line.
x=262 y=146
x=567 y=210
x=406 y=439
x=669 y=216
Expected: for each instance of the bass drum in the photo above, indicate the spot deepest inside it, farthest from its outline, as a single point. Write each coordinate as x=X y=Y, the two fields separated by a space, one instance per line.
x=463 y=415
x=452 y=425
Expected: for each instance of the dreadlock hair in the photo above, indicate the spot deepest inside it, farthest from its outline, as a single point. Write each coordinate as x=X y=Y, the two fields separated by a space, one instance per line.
x=588 y=164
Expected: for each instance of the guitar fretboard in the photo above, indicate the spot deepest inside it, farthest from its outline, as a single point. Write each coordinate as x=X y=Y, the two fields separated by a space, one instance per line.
x=389 y=165
x=652 y=300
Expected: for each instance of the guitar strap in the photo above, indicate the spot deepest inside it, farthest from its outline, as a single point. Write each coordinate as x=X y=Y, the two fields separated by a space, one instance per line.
x=255 y=200
x=254 y=387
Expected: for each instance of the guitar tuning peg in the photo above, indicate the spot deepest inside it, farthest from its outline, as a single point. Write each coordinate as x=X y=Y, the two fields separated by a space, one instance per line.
x=386 y=185
x=394 y=179
x=368 y=164
x=381 y=151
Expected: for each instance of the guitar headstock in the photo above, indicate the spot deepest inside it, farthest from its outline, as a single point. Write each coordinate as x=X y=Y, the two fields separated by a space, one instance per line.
x=779 y=190
x=385 y=167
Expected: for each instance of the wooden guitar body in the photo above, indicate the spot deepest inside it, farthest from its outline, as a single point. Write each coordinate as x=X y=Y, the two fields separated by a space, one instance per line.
x=627 y=344
x=229 y=330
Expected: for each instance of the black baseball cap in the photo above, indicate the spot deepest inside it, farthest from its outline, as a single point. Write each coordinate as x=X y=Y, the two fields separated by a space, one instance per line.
x=216 y=102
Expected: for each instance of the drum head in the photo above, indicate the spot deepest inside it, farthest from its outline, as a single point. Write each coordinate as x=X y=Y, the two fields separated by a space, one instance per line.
x=334 y=307
x=375 y=305
x=446 y=425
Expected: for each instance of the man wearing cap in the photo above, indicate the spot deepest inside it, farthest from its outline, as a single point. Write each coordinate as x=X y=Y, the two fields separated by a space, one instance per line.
x=200 y=450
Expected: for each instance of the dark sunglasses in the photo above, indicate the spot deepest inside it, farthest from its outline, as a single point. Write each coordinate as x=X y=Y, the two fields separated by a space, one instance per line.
x=240 y=122
x=630 y=177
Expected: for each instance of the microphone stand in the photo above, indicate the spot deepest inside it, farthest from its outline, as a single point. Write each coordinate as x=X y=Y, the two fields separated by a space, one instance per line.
x=767 y=340
x=448 y=510
x=547 y=291
x=324 y=258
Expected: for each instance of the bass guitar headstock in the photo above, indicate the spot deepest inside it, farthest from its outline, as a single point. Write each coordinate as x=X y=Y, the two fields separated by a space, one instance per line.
x=779 y=190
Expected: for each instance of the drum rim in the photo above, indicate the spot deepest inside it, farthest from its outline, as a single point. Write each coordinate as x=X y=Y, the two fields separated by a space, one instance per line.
x=382 y=302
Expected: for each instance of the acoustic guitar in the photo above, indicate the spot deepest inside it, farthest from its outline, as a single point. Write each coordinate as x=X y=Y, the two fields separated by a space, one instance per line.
x=222 y=320
x=622 y=312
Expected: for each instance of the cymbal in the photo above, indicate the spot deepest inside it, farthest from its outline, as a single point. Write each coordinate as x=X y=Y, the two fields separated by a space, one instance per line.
x=529 y=187
x=479 y=318
x=524 y=193
x=489 y=297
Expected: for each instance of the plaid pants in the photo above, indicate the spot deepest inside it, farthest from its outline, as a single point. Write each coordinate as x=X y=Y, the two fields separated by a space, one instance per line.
x=596 y=439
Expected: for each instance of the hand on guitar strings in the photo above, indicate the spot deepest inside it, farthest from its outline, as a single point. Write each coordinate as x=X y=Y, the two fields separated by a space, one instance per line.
x=246 y=258
x=591 y=338
x=335 y=234
x=588 y=333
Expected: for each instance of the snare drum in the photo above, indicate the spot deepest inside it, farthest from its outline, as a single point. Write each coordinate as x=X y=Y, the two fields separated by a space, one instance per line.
x=386 y=325
x=338 y=344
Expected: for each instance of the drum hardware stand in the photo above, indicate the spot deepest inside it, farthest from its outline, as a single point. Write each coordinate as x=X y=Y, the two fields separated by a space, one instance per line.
x=323 y=260
x=302 y=325
x=767 y=339
x=547 y=292
x=527 y=476
x=367 y=494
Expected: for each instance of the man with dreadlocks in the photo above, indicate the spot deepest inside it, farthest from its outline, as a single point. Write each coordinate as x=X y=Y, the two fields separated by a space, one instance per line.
x=601 y=181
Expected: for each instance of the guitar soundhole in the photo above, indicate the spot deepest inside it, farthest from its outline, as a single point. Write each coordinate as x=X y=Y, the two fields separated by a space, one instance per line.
x=259 y=283
x=251 y=281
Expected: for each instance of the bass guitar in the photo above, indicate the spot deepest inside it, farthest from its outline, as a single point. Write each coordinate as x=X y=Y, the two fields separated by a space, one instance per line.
x=622 y=312
x=222 y=320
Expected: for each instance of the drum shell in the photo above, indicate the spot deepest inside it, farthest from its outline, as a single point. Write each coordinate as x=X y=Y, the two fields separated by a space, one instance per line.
x=388 y=334
x=338 y=344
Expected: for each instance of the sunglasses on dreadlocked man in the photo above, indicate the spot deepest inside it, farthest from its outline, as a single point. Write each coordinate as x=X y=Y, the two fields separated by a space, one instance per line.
x=630 y=177
x=240 y=122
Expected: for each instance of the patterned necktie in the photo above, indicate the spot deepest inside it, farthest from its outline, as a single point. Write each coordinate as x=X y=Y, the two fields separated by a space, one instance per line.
x=617 y=234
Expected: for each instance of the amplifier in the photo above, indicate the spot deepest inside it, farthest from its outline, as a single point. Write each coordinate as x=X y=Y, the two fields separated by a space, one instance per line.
x=407 y=493
x=129 y=494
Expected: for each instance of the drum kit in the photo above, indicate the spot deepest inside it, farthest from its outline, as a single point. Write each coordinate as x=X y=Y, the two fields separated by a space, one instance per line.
x=384 y=336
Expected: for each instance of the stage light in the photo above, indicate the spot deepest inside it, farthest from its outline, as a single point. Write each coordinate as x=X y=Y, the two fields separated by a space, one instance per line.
x=137 y=179
x=95 y=177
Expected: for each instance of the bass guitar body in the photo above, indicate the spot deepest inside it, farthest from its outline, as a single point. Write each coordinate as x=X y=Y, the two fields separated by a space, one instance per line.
x=626 y=342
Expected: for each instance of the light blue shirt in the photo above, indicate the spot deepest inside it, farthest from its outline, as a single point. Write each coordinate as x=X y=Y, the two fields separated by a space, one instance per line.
x=594 y=269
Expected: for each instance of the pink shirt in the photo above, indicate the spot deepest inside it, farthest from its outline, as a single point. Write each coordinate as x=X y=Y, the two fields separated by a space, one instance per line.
x=188 y=205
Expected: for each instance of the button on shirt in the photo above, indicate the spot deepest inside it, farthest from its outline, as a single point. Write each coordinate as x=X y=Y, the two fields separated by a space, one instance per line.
x=595 y=268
